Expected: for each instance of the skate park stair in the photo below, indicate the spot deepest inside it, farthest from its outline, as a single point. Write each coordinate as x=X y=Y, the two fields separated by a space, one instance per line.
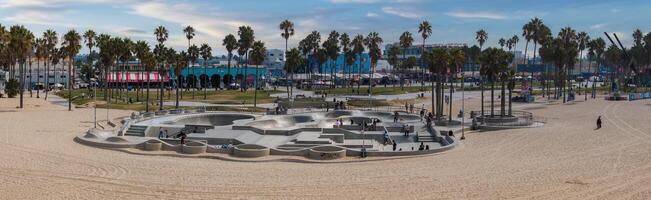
x=136 y=130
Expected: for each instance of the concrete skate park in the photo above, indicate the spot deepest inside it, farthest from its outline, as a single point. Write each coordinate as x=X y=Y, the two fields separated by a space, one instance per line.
x=314 y=135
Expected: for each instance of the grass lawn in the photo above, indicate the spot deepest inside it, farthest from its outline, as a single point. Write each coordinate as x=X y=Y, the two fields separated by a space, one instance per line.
x=82 y=97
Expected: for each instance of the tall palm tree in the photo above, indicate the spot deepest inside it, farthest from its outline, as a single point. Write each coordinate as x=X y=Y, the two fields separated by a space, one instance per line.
x=21 y=41
x=245 y=43
x=90 y=41
x=456 y=62
x=392 y=57
x=140 y=49
x=149 y=62
x=161 y=36
x=358 y=48
x=193 y=54
x=514 y=42
x=331 y=45
x=206 y=52
x=51 y=40
x=230 y=43
x=582 y=38
x=288 y=30
x=638 y=37
x=481 y=36
x=189 y=34
x=425 y=30
x=406 y=40
x=258 y=54
x=344 y=42
x=181 y=61
x=40 y=54
x=438 y=61
x=373 y=42
x=72 y=45
x=293 y=61
x=527 y=34
x=502 y=43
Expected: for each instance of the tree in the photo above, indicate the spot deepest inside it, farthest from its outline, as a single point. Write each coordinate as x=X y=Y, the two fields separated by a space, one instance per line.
x=288 y=30
x=438 y=60
x=502 y=43
x=246 y=41
x=481 y=36
x=292 y=62
x=140 y=49
x=496 y=61
x=193 y=55
x=406 y=40
x=90 y=41
x=527 y=34
x=230 y=43
x=373 y=42
x=582 y=38
x=331 y=45
x=455 y=64
x=181 y=61
x=39 y=54
x=51 y=40
x=72 y=44
x=425 y=30
x=358 y=48
x=258 y=54
x=344 y=41
x=206 y=52
x=392 y=58
x=161 y=36
x=21 y=41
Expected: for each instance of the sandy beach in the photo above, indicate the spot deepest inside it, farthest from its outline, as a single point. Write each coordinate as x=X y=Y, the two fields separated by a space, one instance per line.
x=565 y=159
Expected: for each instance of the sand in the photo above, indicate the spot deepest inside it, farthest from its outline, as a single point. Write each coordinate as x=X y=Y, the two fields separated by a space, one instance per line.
x=566 y=159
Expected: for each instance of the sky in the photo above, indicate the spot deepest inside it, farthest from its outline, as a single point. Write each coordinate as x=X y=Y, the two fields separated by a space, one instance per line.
x=453 y=21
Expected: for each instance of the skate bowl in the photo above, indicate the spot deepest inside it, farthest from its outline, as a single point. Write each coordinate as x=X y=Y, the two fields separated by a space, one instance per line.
x=326 y=152
x=153 y=145
x=194 y=147
x=211 y=119
x=250 y=151
x=281 y=122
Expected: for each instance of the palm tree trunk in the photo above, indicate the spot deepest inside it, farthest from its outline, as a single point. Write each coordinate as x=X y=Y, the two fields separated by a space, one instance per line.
x=30 y=77
x=492 y=98
x=147 y=95
x=70 y=84
x=205 y=88
x=510 y=103
x=22 y=82
x=502 y=100
x=451 y=88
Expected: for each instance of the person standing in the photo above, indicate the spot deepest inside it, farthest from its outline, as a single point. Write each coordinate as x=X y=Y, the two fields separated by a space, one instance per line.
x=394 y=145
x=599 y=122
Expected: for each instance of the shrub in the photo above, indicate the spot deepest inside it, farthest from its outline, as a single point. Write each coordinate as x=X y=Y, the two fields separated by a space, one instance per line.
x=12 y=88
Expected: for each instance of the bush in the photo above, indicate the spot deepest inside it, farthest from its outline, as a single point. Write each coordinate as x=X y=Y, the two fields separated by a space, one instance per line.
x=12 y=88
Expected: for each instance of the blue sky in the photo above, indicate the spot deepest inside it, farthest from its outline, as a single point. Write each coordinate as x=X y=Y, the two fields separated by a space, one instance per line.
x=453 y=21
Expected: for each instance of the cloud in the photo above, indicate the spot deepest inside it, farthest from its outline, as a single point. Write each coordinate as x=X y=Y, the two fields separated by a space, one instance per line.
x=401 y=12
x=56 y=3
x=598 y=26
x=371 y=14
x=477 y=15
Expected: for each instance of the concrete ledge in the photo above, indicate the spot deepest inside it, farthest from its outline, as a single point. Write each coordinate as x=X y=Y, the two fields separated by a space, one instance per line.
x=326 y=152
x=250 y=151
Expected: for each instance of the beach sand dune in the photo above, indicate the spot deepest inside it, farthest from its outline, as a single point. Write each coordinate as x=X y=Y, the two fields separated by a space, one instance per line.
x=565 y=159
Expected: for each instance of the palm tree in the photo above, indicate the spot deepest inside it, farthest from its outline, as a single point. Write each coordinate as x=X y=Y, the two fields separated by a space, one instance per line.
x=638 y=37
x=246 y=41
x=149 y=62
x=21 y=41
x=189 y=34
x=258 y=54
x=496 y=61
x=502 y=43
x=193 y=54
x=288 y=30
x=161 y=36
x=331 y=45
x=358 y=48
x=140 y=49
x=425 y=30
x=344 y=42
x=582 y=38
x=90 y=41
x=481 y=36
x=527 y=34
x=206 y=52
x=72 y=44
x=181 y=61
x=393 y=59
x=456 y=62
x=373 y=42
x=40 y=53
x=230 y=42
x=514 y=41
x=437 y=60
x=51 y=40
x=293 y=61
x=406 y=40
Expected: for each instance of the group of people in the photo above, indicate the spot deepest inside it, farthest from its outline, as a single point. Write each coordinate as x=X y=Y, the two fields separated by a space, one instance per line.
x=409 y=108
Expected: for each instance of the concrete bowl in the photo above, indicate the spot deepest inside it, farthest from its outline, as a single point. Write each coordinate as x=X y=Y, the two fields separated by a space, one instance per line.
x=326 y=152
x=250 y=151
x=193 y=147
x=153 y=145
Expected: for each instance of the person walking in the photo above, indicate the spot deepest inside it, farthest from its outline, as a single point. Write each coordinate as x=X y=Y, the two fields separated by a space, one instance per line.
x=394 y=145
x=599 y=122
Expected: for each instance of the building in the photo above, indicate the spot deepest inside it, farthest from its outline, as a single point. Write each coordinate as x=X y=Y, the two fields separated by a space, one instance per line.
x=275 y=62
x=416 y=50
x=362 y=64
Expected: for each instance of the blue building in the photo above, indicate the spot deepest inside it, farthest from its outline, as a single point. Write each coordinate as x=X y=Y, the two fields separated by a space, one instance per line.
x=338 y=65
x=215 y=75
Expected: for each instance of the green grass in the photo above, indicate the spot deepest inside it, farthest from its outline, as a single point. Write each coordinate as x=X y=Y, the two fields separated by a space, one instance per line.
x=83 y=97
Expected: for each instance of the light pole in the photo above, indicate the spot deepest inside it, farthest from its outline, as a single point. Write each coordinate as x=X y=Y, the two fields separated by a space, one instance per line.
x=463 y=105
